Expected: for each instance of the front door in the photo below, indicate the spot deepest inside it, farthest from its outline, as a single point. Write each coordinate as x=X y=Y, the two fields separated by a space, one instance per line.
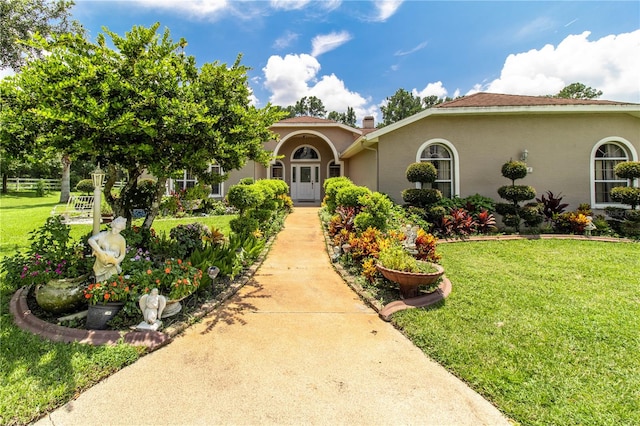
x=305 y=185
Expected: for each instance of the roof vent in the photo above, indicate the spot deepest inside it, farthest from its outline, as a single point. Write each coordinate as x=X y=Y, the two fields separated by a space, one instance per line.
x=367 y=122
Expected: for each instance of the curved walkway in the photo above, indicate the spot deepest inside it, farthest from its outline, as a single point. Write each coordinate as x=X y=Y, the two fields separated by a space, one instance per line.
x=294 y=346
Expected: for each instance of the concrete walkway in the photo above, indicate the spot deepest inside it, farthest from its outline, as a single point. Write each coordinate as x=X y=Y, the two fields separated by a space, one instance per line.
x=294 y=346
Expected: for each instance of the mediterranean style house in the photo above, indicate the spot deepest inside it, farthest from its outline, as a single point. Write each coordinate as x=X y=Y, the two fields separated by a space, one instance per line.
x=570 y=147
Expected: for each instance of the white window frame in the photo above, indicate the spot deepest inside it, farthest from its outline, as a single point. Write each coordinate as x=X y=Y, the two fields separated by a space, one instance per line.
x=308 y=160
x=336 y=164
x=281 y=165
x=186 y=178
x=632 y=155
x=455 y=162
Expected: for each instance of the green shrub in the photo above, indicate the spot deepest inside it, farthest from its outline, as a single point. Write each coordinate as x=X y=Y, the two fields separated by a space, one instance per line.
x=421 y=197
x=41 y=188
x=348 y=196
x=331 y=188
x=246 y=181
x=244 y=225
x=628 y=170
x=517 y=193
x=377 y=208
x=244 y=197
x=514 y=170
x=532 y=215
x=85 y=185
x=423 y=172
x=626 y=195
x=476 y=203
x=188 y=238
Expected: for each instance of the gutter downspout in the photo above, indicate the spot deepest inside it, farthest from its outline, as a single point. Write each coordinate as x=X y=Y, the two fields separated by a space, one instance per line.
x=377 y=164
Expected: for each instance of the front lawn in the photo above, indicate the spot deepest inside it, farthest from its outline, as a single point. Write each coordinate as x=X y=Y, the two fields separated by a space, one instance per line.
x=38 y=375
x=545 y=329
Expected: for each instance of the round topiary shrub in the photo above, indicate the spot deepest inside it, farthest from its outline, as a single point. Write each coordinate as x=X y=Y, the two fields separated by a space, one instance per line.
x=244 y=197
x=628 y=170
x=86 y=186
x=505 y=209
x=421 y=197
x=423 y=172
x=514 y=170
x=517 y=193
x=626 y=195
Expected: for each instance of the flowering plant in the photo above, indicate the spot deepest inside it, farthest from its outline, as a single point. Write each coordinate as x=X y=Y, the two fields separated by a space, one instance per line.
x=113 y=290
x=177 y=279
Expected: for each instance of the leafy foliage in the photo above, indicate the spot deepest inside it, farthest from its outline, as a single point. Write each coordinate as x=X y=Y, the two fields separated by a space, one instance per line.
x=424 y=172
x=551 y=205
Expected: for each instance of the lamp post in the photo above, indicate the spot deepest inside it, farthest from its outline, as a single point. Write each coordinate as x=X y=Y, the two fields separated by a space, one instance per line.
x=97 y=176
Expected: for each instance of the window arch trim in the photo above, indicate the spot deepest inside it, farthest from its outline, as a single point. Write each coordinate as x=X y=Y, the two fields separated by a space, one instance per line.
x=455 y=159
x=616 y=140
x=310 y=160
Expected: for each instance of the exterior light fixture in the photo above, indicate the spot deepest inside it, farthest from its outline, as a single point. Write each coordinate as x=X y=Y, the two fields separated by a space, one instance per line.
x=524 y=155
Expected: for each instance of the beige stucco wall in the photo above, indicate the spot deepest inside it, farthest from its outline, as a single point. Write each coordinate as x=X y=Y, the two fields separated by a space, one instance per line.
x=362 y=169
x=559 y=149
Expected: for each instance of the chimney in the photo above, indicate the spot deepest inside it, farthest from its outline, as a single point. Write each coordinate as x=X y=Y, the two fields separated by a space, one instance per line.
x=367 y=122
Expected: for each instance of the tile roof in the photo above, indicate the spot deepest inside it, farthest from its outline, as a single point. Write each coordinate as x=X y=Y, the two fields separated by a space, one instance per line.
x=306 y=119
x=483 y=99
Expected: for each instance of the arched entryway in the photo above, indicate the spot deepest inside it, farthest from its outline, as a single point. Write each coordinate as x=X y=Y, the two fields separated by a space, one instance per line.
x=305 y=159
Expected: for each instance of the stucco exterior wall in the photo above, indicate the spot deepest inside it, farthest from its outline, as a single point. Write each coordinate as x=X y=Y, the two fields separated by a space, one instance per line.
x=559 y=150
x=362 y=169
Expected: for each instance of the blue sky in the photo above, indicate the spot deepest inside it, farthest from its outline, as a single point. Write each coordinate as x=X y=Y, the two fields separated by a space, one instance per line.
x=357 y=53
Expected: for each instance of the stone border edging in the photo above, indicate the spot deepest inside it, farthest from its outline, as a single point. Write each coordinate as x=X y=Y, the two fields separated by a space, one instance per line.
x=507 y=237
x=152 y=340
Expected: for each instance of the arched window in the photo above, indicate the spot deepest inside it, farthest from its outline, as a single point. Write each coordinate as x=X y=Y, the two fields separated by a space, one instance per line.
x=277 y=171
x=604 y=158
x=443 y=158
x=305 y=153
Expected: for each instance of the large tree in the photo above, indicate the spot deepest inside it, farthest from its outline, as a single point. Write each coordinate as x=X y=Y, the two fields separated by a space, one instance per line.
x=19 y=19
x=348 y=117
x=578 y=91
x=401 y=105
x=143 y=105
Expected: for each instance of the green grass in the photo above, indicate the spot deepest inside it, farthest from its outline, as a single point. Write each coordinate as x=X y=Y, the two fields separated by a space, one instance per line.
x=546 y=330
x=36 y=375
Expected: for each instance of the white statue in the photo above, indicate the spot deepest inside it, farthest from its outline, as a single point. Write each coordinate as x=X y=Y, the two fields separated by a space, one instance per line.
x=151 y=305
x=109 y=248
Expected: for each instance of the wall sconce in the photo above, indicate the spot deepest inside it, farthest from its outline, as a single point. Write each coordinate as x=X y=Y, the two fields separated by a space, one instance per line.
x=524 y=155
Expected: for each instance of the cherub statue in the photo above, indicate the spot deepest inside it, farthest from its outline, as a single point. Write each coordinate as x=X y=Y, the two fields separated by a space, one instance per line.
x=109 y=248
x=152 y=305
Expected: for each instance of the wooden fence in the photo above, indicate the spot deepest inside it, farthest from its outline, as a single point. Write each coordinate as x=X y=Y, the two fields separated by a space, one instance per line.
x=27 y=184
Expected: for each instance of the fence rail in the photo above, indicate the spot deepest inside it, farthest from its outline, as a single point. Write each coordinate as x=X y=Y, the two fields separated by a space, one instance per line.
x=25 y=184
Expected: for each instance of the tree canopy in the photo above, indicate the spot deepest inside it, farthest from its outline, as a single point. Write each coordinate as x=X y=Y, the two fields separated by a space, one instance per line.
x=22 y=18
x=143 y=106
x=578 y=91
x=403 y=104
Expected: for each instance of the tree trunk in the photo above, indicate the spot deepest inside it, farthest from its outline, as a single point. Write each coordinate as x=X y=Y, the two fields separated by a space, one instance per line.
x=65 y=183
x=155 y=205
x=4 y=183
x=119 y=204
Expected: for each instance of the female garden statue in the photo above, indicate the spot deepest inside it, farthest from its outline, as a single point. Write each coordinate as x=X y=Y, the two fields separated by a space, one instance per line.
x=109 y=248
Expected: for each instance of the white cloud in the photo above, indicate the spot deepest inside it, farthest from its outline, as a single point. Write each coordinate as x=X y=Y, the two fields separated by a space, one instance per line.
x=285 y=40
x=610 y=64
x=410 y=51
x=289 y=4
x=431 y=89
x=327 y=42
x=386 y=9
x=287 y=77
x=203 y=9
x=294 y=76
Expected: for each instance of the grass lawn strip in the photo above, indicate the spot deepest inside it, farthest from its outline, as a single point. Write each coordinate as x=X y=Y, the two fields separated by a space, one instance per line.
x=547 y=330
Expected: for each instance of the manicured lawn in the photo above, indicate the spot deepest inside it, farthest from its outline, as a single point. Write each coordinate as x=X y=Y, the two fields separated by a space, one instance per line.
x=37 y=375
x=547 y=330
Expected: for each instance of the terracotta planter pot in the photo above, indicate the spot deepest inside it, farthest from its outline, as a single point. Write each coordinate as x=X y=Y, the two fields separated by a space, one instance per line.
x=410 y=281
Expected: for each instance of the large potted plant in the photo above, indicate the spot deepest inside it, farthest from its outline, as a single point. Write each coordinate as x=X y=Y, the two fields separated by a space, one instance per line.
x=397 y=265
